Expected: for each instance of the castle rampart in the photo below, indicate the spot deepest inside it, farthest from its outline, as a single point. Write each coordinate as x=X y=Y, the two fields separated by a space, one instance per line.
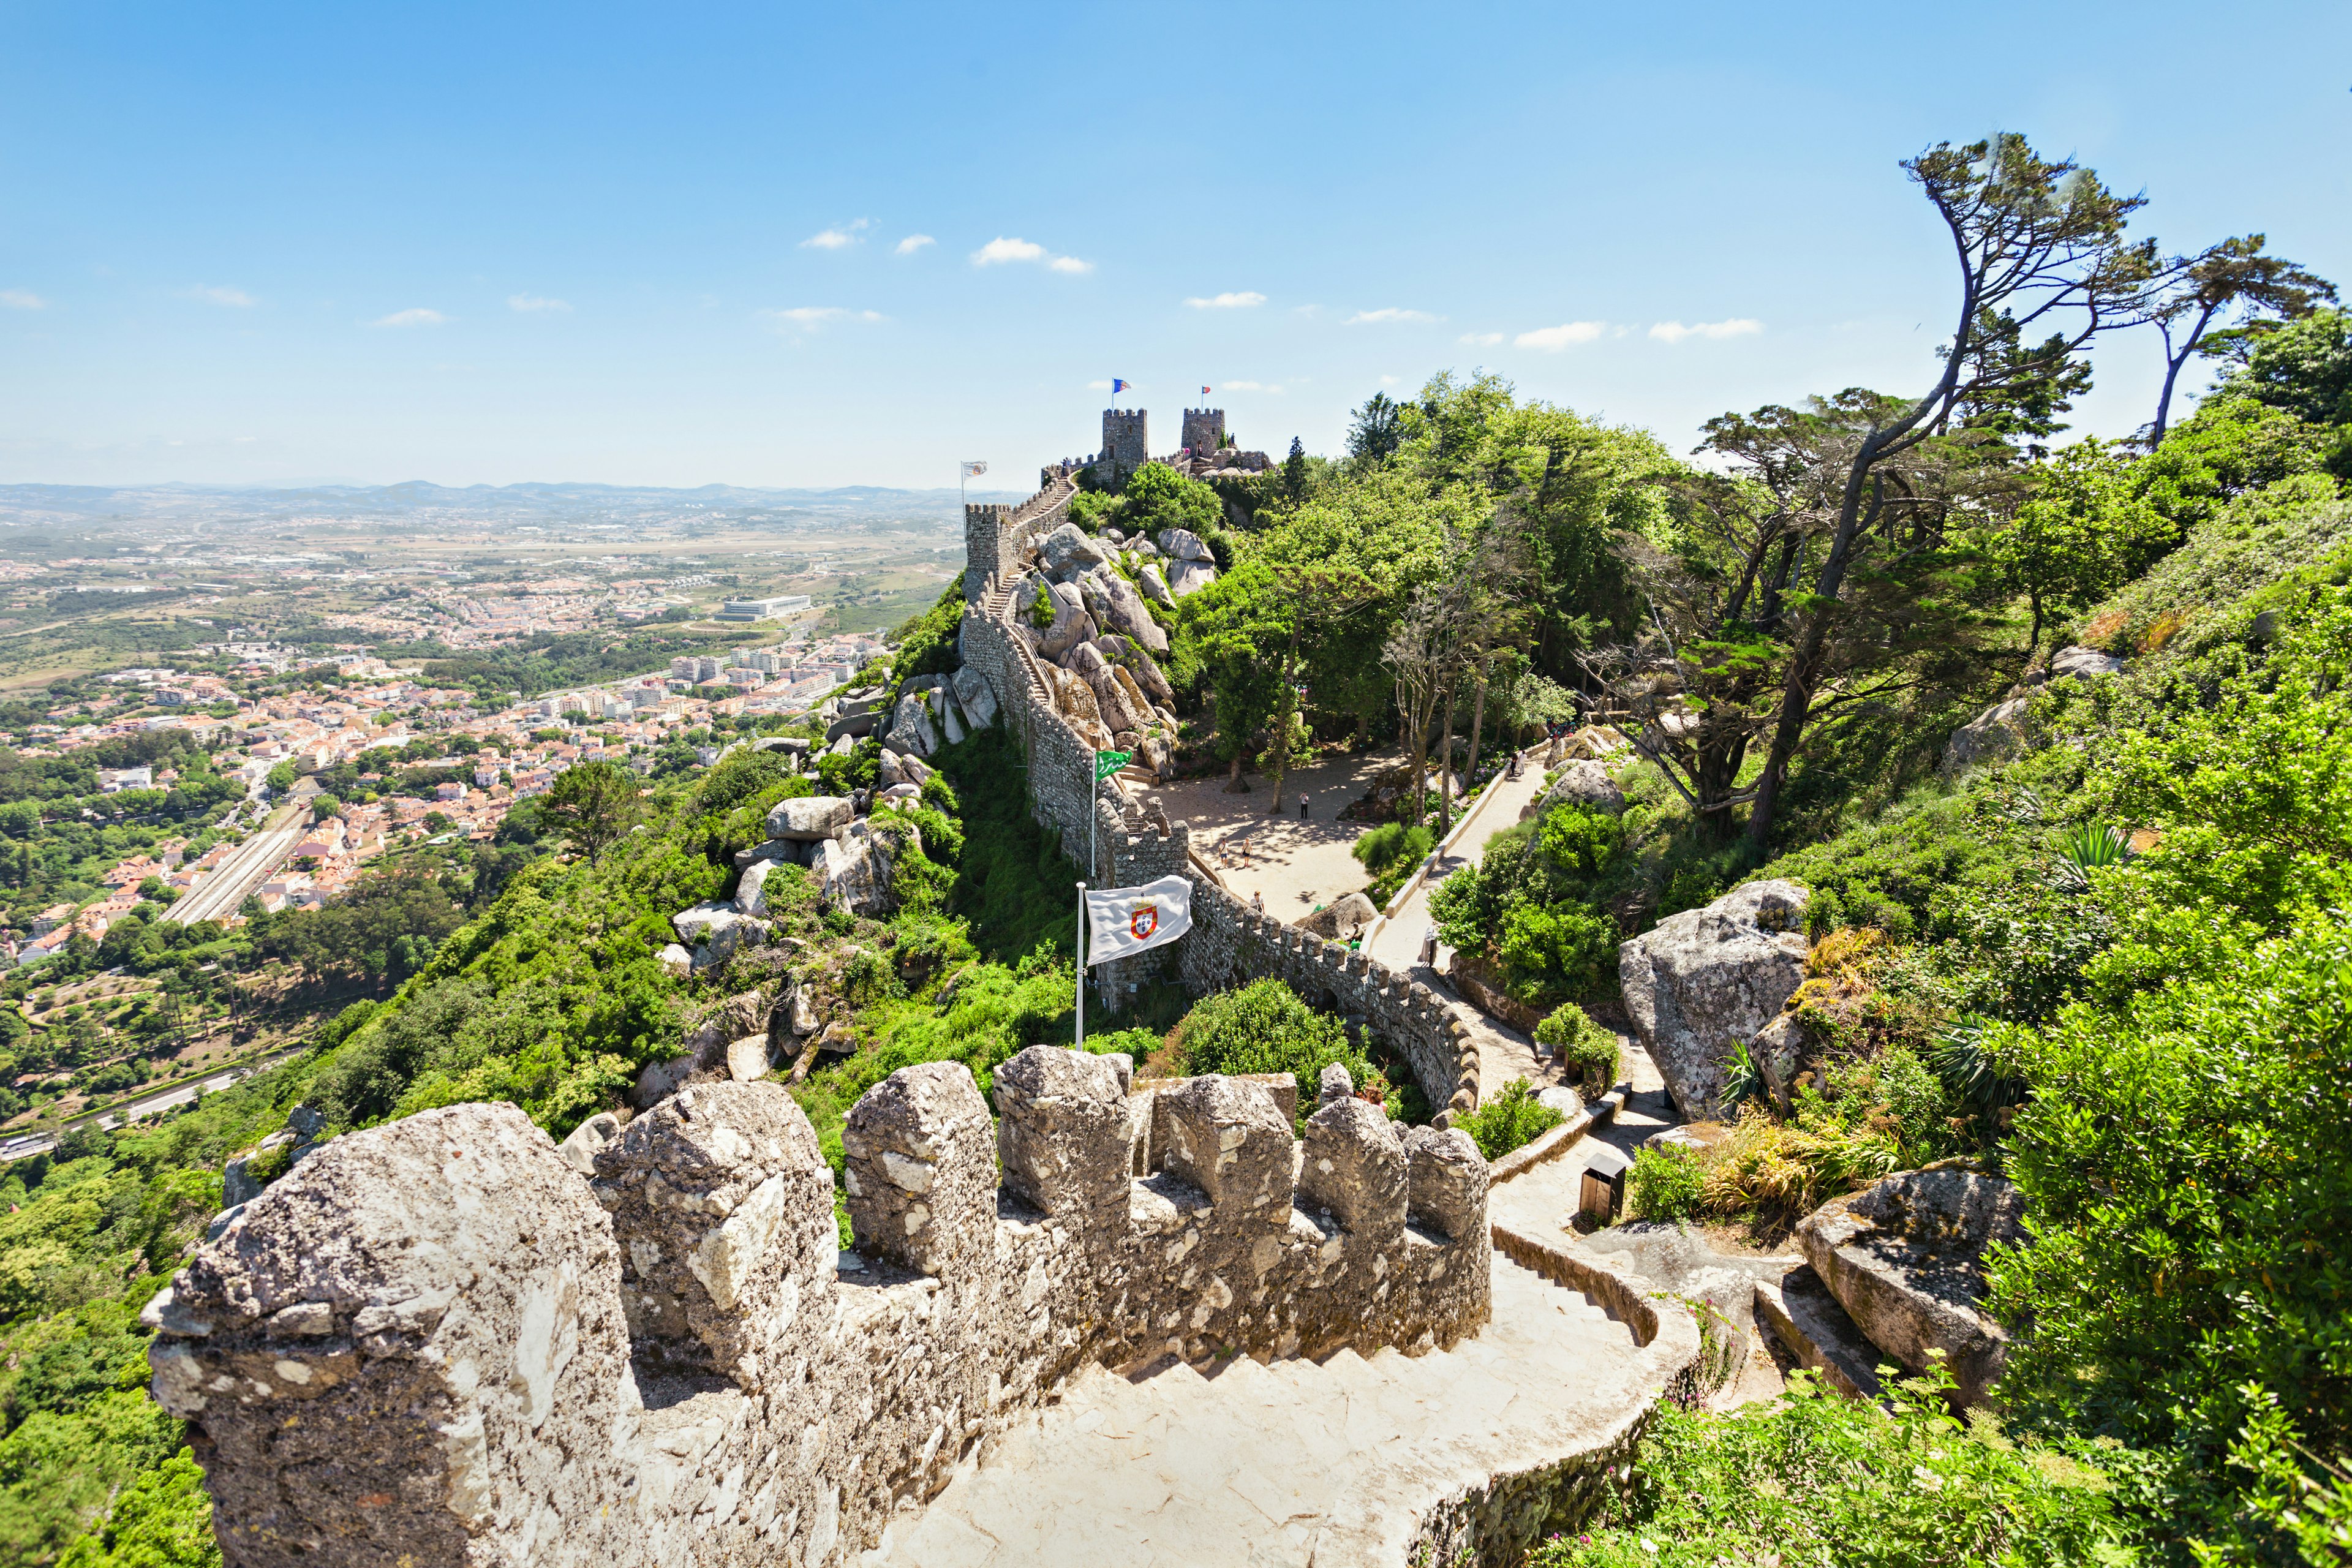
x=1229 y=944
x=436 y=1342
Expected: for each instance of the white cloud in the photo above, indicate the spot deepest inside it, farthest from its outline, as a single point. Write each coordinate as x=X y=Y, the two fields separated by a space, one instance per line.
x=1239 y=302
x=1001 y=249
x=22 y=299
x=1367 y=318
x=237 y=299
x=419 y=317
x=837 y=237
x=1482 y=340
x=528 y=302
x=806 y=317
x=1097 y=386
x=1552 y=339
x=1675 y=331
x=1389 y=381
x=1269 y=388
x=913 y=242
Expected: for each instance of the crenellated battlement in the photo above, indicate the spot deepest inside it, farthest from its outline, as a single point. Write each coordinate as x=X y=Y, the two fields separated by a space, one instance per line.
x=436 y=1341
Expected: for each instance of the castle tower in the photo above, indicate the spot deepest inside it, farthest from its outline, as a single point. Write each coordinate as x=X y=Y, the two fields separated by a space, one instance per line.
x=1204 y=431
x=1125 y=446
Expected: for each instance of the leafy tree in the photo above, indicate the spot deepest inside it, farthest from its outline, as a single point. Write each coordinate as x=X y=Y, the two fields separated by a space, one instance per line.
x=2231 y=278
x=1293 y=472
x=1377 y=430
x=2038 y=242
x=590 y=804
x=2081 y=536
x=280 y=778
x=1265 y=1027
x=2304 y=366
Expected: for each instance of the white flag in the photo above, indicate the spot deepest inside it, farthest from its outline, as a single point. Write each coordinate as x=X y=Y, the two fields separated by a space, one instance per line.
x=974 y=470
x=1121 y=921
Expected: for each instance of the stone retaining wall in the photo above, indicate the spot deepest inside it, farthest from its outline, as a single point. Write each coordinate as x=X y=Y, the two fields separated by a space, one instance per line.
x=436 y=1341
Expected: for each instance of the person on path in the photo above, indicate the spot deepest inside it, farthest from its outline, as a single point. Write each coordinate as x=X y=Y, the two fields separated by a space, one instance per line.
x=1302 y=803
x=1257 y=901
x=1429 y=946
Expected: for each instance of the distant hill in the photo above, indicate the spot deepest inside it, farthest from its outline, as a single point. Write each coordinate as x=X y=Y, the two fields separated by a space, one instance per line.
x=418 y=502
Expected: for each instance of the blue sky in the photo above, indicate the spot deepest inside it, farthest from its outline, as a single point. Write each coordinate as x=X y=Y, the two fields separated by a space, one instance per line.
x=491 y=243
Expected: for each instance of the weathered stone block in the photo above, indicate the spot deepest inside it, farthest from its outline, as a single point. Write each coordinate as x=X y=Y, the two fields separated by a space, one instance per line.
x=921 y=1173
x=1063 y=1136
x=1445 y=1182
x=1226 y=1138
x=1355 y=1166
x=449 y=1267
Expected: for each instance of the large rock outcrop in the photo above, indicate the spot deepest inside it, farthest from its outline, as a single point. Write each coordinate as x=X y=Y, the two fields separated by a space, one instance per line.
x=1582 y=783
x=1701 y=983
x=1905 y=1259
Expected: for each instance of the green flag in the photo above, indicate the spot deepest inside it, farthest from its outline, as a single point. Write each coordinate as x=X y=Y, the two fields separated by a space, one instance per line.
x=1109 y=763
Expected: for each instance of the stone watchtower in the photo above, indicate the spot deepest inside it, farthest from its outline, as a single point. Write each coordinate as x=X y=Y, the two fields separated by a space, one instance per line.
x=1125 y=446
x=1204 y=431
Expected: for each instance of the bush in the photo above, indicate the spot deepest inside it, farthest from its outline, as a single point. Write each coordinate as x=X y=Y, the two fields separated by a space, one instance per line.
x=1265 y=1027
x=1814 y=1477
x=1512 y=1119
x=1586 y=1046
x=1391 y=852
x=1664 y=1184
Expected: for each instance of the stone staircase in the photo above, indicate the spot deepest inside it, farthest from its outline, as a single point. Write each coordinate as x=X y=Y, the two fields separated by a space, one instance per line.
x=1356 y=1459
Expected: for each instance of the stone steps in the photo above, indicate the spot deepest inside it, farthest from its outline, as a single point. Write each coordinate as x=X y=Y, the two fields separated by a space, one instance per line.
x=1290 y=1462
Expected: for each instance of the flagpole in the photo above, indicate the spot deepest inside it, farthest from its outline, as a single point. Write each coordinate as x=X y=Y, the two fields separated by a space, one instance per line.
x=1082 y=966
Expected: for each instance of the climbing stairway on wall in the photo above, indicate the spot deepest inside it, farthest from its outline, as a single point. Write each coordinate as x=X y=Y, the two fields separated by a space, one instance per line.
x=1290 y=1462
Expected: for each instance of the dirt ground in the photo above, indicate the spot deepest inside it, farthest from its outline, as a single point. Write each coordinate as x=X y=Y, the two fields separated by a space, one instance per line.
x=1299 y=864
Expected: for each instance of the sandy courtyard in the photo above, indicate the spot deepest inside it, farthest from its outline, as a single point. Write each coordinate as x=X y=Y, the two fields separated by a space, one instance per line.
x=1298 y=864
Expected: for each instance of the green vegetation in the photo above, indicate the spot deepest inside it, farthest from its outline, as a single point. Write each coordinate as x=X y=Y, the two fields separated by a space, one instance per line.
x=1392 y=853
x=1510 y=1121
x=1584 y=1046
x=1812 y=1478
x=1265 y=1027
x=1662 y=1184
x=546 y=661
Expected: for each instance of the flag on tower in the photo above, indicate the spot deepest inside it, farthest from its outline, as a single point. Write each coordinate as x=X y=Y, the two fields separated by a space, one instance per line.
x=1123 y=921
x=1117 y=387
x=974 y=470
x=1205 y=392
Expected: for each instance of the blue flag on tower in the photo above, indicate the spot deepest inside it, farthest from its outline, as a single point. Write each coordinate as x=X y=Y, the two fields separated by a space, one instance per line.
x=1117 y=387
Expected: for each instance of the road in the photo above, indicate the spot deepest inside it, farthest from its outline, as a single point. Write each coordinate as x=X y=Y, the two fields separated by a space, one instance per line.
x=26 y=1145
x=234 y=880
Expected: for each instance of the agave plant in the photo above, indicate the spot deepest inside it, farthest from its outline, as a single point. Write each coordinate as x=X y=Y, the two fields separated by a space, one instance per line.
x=2085 y=846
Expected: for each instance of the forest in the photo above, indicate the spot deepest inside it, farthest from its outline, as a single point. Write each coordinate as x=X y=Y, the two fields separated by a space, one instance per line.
x=2108 y=957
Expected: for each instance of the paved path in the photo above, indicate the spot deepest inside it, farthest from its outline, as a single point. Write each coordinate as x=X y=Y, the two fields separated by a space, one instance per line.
x=1503 y=1053
x=1286 y=1463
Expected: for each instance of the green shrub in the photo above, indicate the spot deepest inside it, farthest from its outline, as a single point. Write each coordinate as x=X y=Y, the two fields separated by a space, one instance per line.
x=1817 y=1479
x=1664 y=1184
x=1586 y=1048
x=1391 y=852
x=1265 y=1027
x=1512 y=1119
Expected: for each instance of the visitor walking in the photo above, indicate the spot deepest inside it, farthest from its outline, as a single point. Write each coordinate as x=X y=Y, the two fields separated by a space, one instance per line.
x=1302 y=803
x=1257 y=902
x=1429 y=946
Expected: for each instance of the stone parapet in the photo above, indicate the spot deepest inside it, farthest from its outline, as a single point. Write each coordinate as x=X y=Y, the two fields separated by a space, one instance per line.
x=436 y=1341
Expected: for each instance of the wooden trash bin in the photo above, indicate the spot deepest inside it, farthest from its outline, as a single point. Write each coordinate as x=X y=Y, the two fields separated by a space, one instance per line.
x=1603 y=1192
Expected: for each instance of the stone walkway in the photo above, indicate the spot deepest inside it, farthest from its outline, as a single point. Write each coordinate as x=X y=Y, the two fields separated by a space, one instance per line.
x=1286 y=1463
x=1503 y=1053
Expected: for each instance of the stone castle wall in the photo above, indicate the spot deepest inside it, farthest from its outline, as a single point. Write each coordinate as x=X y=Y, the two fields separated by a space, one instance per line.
x=1126 y=443
x=994 y=535
x=1229 y=944
x=436 y=1341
